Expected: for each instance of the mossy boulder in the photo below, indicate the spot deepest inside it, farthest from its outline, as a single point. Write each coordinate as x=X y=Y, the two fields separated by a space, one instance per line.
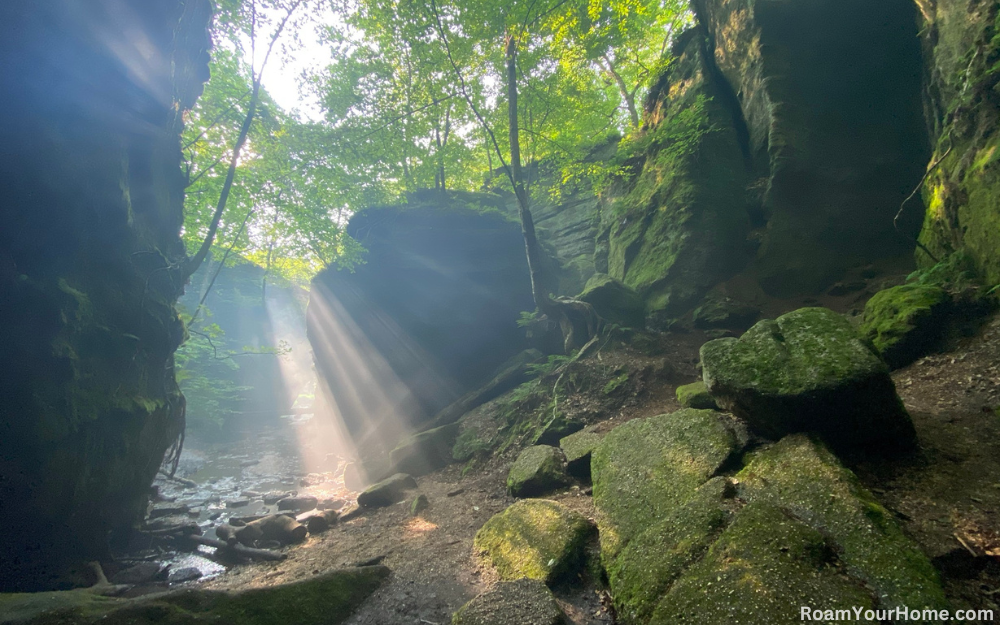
x=520 y=602
x=535 y=538
x=808 y=371
x=762 y=569
x=645 y=469
x=419 y=504
x=614 y=301
x=387 y=492
x=643 y=571
x=578 y=449
x=539 y=469
x=904 y=322
x=810 y=484
x=326 y=599
x=696 y=395
x=425 y=451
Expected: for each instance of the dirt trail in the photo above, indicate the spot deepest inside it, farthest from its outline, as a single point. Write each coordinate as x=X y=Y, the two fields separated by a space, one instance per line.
x=949 y=490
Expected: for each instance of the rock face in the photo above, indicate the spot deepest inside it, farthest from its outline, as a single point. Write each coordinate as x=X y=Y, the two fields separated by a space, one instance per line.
x=680 y=544
x=680 y=225
x=520 y=602
x=535 y=538
x=539 y=469
x=326 y=599
x=807 y=371
x=89 y=229
x=839 y=136
x=961 y=48
x=614 y=301
x=429 y=315
x=905 y=321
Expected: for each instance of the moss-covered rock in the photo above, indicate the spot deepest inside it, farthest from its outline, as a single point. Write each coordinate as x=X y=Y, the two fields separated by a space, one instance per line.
x=535 y=538
x=679 y=226
x=647 y=468
x=387 y=492
x=425 y=451
x=811 y=485
x=904 y=322
x=578 y=449
x=961 y=194
x=614 y=301
x=520 y=602
x=654 y=559
x=326 y=599
x=538 y=469
x=420 y=503
x=762 y=569
x=808 y=371
x=696 y=395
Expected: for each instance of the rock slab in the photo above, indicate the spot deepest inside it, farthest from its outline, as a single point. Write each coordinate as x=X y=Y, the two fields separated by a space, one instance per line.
x=538 y=470
x=808 y=371
x=535 y=538
x=520 y=602
x=387 y=492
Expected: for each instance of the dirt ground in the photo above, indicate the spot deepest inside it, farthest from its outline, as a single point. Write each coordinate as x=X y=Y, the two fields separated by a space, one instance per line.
x=946 y=496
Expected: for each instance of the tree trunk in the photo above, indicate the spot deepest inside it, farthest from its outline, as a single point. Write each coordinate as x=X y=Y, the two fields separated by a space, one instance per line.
x=533 y=251
x=628 y=96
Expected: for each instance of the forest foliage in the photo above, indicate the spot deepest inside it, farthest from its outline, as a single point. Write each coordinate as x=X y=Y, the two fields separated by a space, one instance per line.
x=413 y=95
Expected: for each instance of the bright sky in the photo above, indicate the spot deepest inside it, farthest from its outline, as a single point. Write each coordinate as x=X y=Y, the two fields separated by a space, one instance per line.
x=283 y=74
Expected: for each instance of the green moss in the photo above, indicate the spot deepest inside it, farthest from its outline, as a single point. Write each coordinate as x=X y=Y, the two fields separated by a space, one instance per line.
x=538 y=469
x=578 y=449
x=535 y=538
x=805 y=479
x=646 y=568
x=696 y=395
x=420 y=503
x=614 y=383
x=326 y=599
x=904 y=321
x=764 y=567
x=521 y=602
x=809 y=371
x=647 y=468
x=680 y=224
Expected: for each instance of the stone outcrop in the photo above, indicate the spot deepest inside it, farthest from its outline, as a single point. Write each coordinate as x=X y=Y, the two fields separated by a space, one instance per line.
x=808 y=371
x=830 y=92
x=679 y=225
x=680 y=542
x=961 y=50
x=429 y=315
x=90 y=258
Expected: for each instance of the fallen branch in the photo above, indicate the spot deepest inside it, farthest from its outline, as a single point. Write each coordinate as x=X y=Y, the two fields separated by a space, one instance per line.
x=238 y=549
